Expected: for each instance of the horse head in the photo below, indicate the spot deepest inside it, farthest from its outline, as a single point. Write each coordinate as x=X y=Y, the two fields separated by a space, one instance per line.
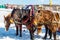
x=45 y=16
x=39 y=17
x=38 y=20
x=7 y=21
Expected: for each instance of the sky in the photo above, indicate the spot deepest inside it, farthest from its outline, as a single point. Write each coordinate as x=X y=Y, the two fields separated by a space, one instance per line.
x=27 y=2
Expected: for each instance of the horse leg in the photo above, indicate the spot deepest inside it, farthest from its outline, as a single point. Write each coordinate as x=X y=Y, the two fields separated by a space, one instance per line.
x=31 y=35
x=54 y=35
x=20 y=30
x=50 y=33
x=16 y=30
x=34 y=28
x=46 y=28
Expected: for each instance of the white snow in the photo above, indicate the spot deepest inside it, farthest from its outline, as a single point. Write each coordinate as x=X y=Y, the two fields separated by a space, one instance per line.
x=10 y=34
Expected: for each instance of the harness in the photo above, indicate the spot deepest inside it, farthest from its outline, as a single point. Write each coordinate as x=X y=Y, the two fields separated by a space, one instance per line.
x=31 y=14
x=31 y=9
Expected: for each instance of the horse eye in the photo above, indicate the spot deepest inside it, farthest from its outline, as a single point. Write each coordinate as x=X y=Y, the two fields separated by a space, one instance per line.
x=38 y=11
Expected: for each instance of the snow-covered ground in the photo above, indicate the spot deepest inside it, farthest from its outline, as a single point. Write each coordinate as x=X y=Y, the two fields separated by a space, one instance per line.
x=10 y=34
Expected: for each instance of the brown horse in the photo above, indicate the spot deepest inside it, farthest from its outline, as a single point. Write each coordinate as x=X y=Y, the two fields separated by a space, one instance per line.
x=49 y=19
x=39 y=23
x=8 y=20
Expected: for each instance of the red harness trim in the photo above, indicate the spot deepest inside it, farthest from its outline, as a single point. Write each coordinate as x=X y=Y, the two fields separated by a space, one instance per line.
x=24 y=21
x=30 y=14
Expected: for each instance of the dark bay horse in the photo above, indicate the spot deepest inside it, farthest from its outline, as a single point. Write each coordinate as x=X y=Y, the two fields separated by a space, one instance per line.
x=22 y=16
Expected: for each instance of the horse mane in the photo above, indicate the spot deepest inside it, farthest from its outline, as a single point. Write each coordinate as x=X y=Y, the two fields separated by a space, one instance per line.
x=13 y=11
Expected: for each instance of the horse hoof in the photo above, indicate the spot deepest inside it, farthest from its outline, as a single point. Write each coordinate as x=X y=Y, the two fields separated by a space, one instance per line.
x=20 y=35
x=44 y=38
x=16 y=34
x=50 y=38
x=32 y=39
x=24 y=30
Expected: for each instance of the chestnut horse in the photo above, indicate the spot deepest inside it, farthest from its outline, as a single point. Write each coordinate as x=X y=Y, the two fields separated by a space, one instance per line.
x=50 y=20
x=39 y=24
